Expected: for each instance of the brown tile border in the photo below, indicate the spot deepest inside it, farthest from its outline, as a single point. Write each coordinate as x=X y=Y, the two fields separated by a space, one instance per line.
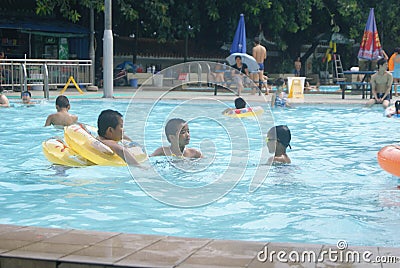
x=34 y=247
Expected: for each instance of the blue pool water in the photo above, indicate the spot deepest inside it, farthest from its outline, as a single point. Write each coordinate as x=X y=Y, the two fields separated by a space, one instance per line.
x=334 y=188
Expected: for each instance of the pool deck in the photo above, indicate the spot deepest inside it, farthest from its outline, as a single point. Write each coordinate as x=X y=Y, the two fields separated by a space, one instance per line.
x=151 y=93
x=35 y=247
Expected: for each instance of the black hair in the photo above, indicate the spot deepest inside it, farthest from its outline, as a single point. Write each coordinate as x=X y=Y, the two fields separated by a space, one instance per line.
x=381 y=61
x=62 y=101
x=256 y=40
x=172 y=126
x=237 y=56
x=107 y=118
x=279 y=82
x=26 y=92
x=282 y=134
x=240 y=103
x=397 y=106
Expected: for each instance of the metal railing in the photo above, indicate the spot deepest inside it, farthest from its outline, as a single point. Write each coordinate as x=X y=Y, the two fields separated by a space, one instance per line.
x=19 y=74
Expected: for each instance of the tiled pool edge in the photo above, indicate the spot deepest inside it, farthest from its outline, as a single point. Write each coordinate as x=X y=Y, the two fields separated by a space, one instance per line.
x=26 y=247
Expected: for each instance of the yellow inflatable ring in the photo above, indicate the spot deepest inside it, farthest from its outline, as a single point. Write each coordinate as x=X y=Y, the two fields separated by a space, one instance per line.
x=245 y=112
x=57 y=152
x=85 y=144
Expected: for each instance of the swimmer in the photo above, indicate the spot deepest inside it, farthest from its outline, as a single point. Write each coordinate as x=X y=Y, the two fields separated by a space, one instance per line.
x=111 y=131
x=62 y=117
x=278 y=139
x=3 y=99
x=240 y=103
x=26 y=98
x=178 y=135
x=390 y=112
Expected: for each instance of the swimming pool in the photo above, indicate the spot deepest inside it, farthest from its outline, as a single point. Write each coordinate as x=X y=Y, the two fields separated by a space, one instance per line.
x=334 y=188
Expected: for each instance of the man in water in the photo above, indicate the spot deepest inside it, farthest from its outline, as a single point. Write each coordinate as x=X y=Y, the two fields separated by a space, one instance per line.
x=26 y=97
x=381 y=85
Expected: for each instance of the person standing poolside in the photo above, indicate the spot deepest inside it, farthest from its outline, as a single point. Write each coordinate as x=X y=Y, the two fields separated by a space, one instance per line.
x=111 y=131
x=394 y=66
x=381 y=85
x=62 y=117
x=3 y=99
x=278 y=139
x=260 y=54
x=237 y=74
x=178 y=135
x=297 y=67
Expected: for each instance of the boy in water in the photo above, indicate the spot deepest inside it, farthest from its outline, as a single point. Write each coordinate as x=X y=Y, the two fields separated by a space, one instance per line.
x=3 y=99
x=111 y=131
x=62 y=117
x=240 y=103
x=178 y=135
x=278 y=139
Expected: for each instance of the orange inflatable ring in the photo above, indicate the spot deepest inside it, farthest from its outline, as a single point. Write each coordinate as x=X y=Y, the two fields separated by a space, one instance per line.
x=389 y=159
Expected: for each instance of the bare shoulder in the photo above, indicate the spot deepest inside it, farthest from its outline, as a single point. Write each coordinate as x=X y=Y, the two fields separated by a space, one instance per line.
x=49 y=120
x=193 y=153
x=161 y=151
x=74 y=118
x=388 y=73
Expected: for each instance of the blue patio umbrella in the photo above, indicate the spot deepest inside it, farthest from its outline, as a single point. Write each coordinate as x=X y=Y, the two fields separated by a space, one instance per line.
x=370 y=47
x=239 y=41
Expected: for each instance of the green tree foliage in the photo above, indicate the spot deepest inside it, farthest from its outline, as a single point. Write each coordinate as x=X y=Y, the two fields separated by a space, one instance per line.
x=288 y=23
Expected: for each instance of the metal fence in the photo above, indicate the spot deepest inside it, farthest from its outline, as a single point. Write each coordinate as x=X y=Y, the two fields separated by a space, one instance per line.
x=21 y=74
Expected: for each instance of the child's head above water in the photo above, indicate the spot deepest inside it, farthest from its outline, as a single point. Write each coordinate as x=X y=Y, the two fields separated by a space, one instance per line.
x=282 y=134
x=178 y=133
x=108 y=118
x=62 y=102
x=240 y=103
x=173 y=127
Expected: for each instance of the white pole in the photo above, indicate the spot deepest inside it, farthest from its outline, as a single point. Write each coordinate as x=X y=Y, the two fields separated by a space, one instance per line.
x=92 y=54
x=107 y=52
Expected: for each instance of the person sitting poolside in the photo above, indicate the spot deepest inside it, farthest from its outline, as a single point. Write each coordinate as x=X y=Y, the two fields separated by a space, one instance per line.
x=279 y=98
x=239 y=71
x=26 y=97
x=62 y=117
x=381 y=85
x=278 y=139
x=111 y=131
x=240 y=103
x=4 y=102
x=178 y=135
x=218 y=75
